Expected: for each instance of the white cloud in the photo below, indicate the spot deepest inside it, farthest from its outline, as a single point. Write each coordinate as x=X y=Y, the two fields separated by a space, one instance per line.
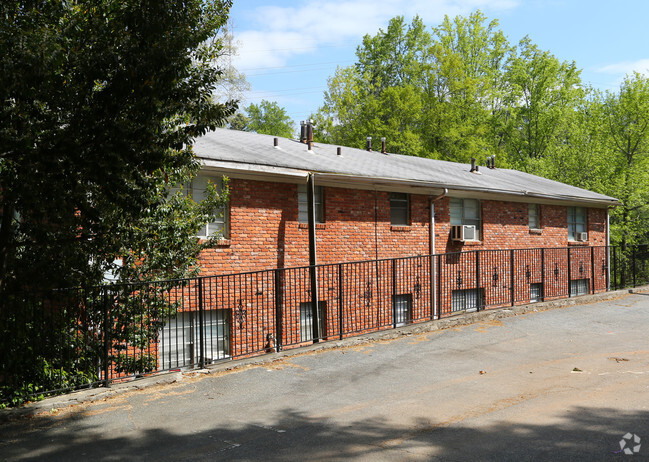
x=274 y=34
x=626 y=67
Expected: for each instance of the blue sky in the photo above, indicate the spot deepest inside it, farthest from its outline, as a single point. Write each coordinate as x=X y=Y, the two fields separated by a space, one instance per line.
x=288 y=49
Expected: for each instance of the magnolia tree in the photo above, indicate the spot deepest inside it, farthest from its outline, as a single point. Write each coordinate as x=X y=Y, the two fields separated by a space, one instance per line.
x=101 y=102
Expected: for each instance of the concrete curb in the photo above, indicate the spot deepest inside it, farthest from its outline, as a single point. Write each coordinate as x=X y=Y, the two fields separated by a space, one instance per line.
x=86 y=396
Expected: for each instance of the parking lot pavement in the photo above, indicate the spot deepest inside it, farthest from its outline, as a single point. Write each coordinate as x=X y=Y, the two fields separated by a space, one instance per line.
x=563 y=384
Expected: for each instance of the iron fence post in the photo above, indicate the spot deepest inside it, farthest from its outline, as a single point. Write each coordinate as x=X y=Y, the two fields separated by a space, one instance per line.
x=201 y=348
x=477 y=281
x=614 y=262
x=394 y=288
x=592 y=270
x=341 y=316
x=439 y=286
x=107 y=341
x=512 y=278
x=279 y=304
x=542 y=275
x=633 y=265
x=569 y=273
x=431 y=285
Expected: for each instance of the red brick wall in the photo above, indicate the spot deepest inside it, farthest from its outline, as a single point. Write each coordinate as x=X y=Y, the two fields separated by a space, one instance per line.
x=505 y=226
x=265 y=233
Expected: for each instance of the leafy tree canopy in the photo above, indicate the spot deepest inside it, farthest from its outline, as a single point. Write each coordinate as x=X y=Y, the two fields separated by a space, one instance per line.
x=102 y=100
x=266 y=117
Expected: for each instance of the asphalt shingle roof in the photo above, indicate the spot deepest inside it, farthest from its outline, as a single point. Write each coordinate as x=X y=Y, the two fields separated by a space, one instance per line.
x=252 y=149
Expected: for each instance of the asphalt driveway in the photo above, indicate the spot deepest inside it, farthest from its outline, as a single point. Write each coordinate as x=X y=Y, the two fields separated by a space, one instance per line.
x=563 y=384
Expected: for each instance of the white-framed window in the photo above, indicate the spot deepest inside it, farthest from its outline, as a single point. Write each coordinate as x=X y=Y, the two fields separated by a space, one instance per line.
x=536 y=292
x=576 y=222
x=466 y=300
x=534 y=216
x=399 y=209
x=303 y=204
x=466 y=212
x=306 y=321
x=179 y=339
x=402 y=309
x=197 y=190
x=579 y=287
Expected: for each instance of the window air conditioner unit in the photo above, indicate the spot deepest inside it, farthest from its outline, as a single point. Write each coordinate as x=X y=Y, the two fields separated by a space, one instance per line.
x=463 y=233
x=582 y=237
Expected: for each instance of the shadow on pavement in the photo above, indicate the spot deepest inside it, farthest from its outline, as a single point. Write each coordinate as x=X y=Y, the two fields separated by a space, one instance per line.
x=579 y=434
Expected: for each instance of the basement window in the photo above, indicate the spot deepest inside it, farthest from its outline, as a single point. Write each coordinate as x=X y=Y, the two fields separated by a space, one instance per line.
x=179 y=339
x=579 y=287
x=466 y=300
x=399 y=209
x=536 y=292
x=306 y=321
x=402 y=309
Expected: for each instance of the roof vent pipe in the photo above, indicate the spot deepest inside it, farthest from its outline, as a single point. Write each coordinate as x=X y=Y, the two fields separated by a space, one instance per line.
x=302 y=132
x=489 y=162
x=309 y=130
x=275 y=142
x=369 y=143
x=383 y=151
x=310 y=145
x=493 y=161
x=473 y=166
x=339 y=151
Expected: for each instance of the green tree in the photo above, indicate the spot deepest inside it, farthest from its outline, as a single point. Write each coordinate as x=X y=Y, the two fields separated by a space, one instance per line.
x=465 y=91
x=102 y=100
x=380 y=96
x=239 y=121
x=269 y=118
x=627 y=125
x=543 y=95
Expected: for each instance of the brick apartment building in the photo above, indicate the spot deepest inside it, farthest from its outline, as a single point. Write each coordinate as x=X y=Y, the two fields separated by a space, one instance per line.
x=368 y=205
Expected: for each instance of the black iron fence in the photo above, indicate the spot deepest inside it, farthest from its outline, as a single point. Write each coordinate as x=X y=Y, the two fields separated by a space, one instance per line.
x=69 y=339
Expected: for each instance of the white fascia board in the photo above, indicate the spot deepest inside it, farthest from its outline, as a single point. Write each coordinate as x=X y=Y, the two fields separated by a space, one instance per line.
x=255 y=171
x=421 y=187
x=376 y=184
x=528 y=197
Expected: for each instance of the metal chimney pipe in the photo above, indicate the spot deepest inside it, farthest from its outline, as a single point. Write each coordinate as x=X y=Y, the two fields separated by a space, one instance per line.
x=310 y=145
x=383 y=151
x=339 y=151
x=493 y=161
x=369 y=143
x=309 y=130
x=473 y=164
x=302 y=132
x=275 y=142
